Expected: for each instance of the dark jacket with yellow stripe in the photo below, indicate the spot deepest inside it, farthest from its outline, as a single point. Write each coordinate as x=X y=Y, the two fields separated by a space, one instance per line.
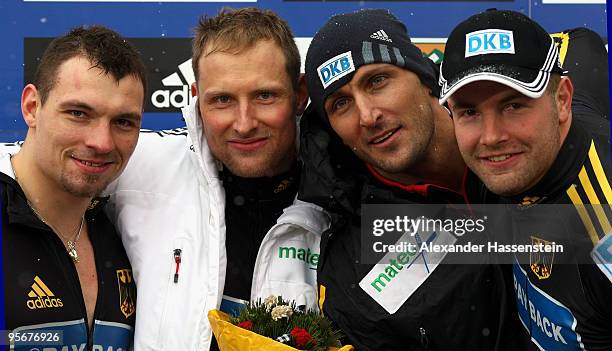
x=563 y=298
x=43 y=302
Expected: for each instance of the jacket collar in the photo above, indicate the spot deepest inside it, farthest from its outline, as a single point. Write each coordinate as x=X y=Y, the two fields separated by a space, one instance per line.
x=422 y=188
x=207 y=162
x=19 y=210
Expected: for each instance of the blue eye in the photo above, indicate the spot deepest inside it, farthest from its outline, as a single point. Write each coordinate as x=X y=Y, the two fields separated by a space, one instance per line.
x=221 y=99
x=339 y=104
x=265 y=95
x=76 y=113
x=124 y=123
x=378 y=79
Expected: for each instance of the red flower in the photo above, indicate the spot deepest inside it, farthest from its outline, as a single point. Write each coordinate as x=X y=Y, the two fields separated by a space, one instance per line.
x=301 y=337
x=248 y=325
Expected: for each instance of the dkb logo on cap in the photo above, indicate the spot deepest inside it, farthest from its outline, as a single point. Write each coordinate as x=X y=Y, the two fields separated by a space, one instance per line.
x=335 y=68
x=489 y=41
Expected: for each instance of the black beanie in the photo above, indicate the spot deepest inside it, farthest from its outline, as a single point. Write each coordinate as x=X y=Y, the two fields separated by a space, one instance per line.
x=351 y=40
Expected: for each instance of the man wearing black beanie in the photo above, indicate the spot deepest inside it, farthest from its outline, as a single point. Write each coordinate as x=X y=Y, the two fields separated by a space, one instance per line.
x=375 y=133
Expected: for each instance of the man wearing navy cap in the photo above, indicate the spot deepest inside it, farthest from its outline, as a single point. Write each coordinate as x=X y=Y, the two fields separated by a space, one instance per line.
x=537 y=143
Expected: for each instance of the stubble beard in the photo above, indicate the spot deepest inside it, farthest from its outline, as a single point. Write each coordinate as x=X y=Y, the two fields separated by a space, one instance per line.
x=530 y=174
x=405 y=161
x=84 y=186
x=266 y=165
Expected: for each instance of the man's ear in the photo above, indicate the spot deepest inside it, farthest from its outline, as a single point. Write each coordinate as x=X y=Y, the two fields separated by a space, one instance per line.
x=194 y=90
x=302 y=94
x=564 y=95
x=30 y=102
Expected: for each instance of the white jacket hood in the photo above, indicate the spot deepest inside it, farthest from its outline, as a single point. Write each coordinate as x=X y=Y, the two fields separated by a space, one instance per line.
x=209 y=164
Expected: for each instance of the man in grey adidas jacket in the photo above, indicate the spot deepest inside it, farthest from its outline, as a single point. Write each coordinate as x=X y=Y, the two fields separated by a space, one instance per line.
x=194 y=205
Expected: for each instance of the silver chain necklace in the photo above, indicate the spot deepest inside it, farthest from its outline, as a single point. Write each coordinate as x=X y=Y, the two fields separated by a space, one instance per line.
x=70 y=244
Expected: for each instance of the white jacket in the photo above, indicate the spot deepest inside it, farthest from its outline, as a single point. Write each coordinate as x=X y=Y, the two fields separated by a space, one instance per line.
x=170 y=197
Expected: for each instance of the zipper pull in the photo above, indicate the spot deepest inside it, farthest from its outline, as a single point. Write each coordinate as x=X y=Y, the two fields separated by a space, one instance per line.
x=177 y=260
x=424 y=338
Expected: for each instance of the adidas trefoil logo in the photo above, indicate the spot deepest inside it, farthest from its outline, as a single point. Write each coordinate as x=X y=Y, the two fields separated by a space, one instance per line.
x=41 y=296
x=381 y=35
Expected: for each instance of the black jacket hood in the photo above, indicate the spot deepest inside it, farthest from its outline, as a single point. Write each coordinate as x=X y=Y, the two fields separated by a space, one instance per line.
x=332 y=176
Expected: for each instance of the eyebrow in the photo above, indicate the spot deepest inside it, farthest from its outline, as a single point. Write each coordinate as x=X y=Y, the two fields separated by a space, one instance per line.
x=370 y=72
x=360 y=80
x=332 y=96
x=212 y=92
x=267 y=86
x=511 y=96
x=130 y=115
x=364 y=77
x=76 y=104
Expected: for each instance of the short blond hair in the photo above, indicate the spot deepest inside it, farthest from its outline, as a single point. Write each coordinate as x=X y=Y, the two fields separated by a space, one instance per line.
x=234 y=30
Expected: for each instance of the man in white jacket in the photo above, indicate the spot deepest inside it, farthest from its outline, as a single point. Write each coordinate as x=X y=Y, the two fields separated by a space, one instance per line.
x=194 y=205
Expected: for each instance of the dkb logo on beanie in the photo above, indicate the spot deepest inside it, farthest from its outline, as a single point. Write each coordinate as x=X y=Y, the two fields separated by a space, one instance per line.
x=335 y=68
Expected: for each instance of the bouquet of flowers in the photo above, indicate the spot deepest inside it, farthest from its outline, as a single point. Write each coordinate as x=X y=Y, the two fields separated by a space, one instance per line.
x=274 y=324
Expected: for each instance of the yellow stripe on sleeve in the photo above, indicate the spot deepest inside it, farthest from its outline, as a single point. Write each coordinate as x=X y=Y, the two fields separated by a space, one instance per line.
x=582 y=212
x=594 y=200
x=602 y=179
